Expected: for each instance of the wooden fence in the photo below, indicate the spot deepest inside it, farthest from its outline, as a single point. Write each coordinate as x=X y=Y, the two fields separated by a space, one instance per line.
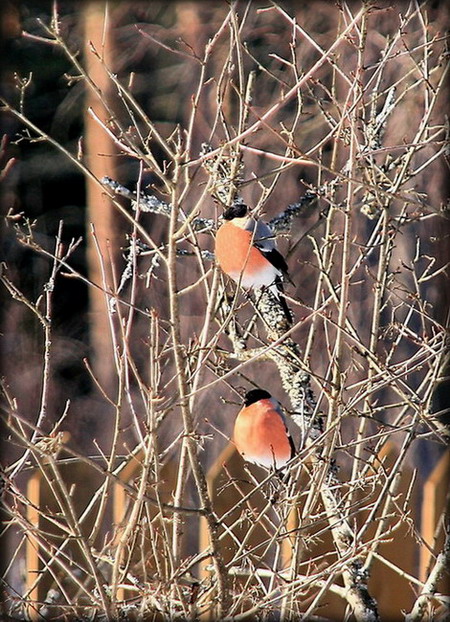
x=410 y=547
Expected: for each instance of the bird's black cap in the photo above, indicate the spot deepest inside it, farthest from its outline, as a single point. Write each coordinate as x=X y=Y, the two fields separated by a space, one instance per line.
x=255 y=395
x=235 y=211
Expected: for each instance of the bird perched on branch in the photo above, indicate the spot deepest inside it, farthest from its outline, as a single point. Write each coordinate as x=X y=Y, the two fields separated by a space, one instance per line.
x=246 y=251
x=260 y=432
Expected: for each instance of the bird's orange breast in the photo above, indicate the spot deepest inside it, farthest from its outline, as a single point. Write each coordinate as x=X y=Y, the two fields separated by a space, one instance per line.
x=238 y=258
x=260 y=435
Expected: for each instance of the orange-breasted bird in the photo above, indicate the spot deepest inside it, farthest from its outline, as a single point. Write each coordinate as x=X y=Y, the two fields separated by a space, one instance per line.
x=260 y=432
x=246 y=251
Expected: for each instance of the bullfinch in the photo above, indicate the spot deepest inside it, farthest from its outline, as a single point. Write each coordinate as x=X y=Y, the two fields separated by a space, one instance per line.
x=246 y=251
x=260 y=432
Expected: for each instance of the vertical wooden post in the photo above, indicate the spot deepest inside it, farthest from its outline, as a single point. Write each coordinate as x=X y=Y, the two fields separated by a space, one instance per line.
x=393 y=592
x=119 y=495
x=287 y=543
x=435 y=496
x=99 y=152
x=32 y=546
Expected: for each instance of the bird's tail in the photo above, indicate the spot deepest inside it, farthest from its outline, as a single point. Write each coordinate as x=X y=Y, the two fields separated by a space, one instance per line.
x=278 y=291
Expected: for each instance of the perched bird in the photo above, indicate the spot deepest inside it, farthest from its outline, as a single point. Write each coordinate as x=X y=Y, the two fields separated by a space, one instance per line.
x=260 y=432
x=246 y=251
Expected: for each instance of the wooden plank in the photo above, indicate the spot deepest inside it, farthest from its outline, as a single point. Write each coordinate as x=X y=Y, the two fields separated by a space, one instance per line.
x=393 y=592
x=435 y=497
x=31 y=550
x=129 y=472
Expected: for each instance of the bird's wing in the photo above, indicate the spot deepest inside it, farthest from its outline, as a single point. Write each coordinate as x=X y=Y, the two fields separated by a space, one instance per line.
x=264 y=240
x=263 y=236
x=275 y=257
